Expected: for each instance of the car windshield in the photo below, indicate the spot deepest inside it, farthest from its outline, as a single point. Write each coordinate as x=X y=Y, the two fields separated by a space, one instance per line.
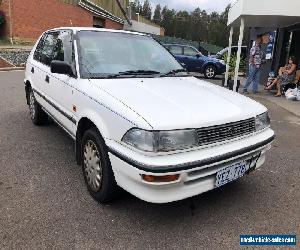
x=105 y=54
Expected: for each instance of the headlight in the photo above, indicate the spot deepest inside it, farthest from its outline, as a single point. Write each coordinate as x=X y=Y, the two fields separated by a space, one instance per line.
x=262 y=121
x=161 y=141
x=222 y=61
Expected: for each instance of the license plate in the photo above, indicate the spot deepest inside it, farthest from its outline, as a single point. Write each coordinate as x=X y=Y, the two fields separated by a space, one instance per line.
x=231 y=173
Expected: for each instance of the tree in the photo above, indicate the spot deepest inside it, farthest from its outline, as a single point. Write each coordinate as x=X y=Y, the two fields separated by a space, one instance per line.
x=136 y=6
x=168 y=17
x=146 y=10
x=157 y=18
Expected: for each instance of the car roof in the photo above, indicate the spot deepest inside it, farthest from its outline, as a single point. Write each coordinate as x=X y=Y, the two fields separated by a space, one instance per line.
x=175 y=44
x=77 y=29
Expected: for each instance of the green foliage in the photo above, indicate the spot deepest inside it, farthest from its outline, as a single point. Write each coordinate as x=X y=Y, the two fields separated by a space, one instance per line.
x=136 y=6
x=232 y=64
x=157 y=14
x=146 y=10
x=197 y=25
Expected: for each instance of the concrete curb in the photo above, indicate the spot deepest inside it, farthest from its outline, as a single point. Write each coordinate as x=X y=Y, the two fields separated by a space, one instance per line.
x=11 y=69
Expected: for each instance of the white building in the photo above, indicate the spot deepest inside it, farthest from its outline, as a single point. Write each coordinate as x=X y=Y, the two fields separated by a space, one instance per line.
x=264 y=16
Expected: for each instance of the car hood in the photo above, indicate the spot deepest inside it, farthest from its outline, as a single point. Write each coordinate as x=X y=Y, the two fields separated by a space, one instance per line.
x=180 y=102
x=210 y=58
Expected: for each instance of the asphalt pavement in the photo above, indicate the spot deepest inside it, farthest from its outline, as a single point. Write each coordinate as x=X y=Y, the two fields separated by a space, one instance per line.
x=44 y=203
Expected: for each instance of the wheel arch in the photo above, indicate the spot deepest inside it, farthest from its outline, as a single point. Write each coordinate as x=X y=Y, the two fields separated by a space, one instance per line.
x=84 y=124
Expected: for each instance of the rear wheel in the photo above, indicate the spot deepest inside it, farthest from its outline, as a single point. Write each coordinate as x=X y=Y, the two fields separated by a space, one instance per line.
x=96 y=167
x=210 y=72
x=37 y=114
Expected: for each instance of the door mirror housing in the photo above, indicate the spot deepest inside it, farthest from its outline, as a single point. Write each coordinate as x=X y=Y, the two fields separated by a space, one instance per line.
x=198 y=55
x=61 y=67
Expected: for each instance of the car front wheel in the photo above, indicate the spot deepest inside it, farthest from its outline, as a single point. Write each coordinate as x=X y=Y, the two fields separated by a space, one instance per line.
x=210 y=72
x=96 y=168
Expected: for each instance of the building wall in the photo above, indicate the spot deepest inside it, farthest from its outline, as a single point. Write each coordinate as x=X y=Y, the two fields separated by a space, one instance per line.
x=4 y=31
x=142 y=27
x=31 y=17
x=110 y=6
x=109 y=24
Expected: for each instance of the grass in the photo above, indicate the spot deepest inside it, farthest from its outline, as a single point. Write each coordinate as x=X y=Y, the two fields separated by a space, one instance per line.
x=4 y=42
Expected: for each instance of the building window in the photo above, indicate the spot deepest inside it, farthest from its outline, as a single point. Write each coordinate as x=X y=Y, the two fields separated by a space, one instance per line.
x=98 y=22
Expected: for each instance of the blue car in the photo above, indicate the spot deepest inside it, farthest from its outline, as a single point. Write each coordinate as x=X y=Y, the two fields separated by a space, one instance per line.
x=194 y=61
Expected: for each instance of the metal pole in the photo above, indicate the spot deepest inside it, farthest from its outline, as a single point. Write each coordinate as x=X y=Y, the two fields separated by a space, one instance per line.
x=10 y=22
x=228 y=57
x=124 y=12
x=238 y=57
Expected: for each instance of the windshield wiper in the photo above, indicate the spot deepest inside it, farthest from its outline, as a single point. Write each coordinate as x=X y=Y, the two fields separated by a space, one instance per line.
x=133 y=73
x=174 y=72
x=138 y=72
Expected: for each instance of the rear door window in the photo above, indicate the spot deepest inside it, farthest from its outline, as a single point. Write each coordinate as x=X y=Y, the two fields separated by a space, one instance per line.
x=188 y=51
x=176 y=50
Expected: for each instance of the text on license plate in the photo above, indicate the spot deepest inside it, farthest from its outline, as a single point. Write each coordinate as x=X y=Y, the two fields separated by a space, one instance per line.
x=231 y=173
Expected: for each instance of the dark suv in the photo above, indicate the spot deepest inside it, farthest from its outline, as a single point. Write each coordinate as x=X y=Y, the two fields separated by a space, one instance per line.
x=196 y=62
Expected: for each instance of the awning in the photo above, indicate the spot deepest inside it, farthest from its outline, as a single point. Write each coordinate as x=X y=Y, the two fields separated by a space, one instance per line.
x=264 y=13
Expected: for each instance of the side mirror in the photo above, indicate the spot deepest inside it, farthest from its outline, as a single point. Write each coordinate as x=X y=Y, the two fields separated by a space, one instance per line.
x=60 y=67
x=183 y=65
x=198 y=55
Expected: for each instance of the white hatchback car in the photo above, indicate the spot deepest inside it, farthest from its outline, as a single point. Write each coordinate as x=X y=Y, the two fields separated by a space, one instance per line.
x=139 y=121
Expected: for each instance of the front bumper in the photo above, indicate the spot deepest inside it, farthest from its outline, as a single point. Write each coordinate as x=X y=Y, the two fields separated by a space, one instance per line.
x=196 y=176
x=222 y=69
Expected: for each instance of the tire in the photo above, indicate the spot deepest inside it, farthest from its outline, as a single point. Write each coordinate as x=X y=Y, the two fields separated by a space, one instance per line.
x=37 y=114
x=96 y=168
x=210 y=72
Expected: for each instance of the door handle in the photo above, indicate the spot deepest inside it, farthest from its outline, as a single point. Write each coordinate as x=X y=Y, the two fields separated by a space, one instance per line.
x=47 y=79
x=32 y=70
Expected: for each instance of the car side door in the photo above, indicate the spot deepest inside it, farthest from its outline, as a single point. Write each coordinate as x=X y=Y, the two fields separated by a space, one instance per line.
x=61 y=86
x=193 y=59
x=177 y=51
x=40 y=70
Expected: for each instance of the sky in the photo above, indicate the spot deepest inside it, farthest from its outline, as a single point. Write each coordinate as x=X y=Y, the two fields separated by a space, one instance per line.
x=189 y=5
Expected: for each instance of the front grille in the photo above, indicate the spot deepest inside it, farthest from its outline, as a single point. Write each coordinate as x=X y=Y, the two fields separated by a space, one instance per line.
x=225 y=132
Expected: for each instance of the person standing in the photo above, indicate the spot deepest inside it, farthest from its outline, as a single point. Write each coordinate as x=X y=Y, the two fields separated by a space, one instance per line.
x=255 y=61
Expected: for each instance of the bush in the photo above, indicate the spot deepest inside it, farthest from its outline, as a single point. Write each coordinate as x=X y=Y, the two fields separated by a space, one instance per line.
x=232 y=64
x=2 y=18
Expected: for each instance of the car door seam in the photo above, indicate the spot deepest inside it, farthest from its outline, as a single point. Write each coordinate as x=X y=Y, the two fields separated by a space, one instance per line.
x=100 y=103
x=72 y=119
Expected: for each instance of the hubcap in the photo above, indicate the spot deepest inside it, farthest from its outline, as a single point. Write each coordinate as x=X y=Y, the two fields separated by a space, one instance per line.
x=210 y=72
x=32 y=105
x=92 y=166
